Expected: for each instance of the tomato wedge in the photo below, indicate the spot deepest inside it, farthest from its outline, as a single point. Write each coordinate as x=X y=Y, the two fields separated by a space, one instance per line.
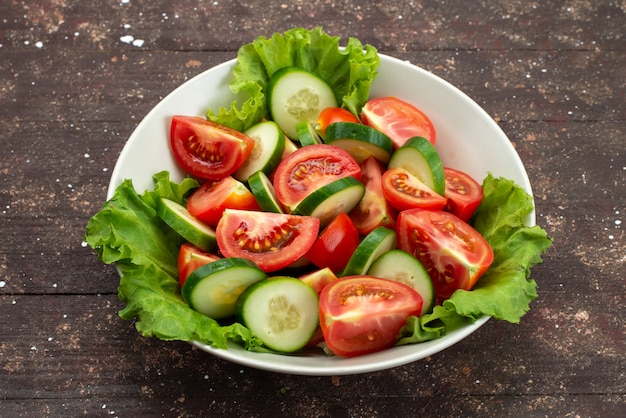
x=272 y=240
x=454 y=254
x=207 y=150
x=363 y=314
x=373 y=210
x=190 y=258
x=209 y=201
x=404 y=190
x=332 y=115
x=463 y=192
x=335 y=245
x=319 y=279
x=397 y=119
x=310 y=168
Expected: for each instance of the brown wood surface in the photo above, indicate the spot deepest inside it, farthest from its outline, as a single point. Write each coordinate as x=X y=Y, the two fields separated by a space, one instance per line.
x=552 y=73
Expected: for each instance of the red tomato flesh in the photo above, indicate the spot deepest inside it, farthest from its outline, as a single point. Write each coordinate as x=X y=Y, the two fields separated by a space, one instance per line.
x=209 y=201
x=207 y=150
x=363 y=314
x=272 y=240
x=318 y=280
x=190 y=258
x=332 y=115
x=454 y=254
x=310 y=168
x=373 y=210
x=405 y=191
x=463 y=192
x=335 y=245
x=397 y=119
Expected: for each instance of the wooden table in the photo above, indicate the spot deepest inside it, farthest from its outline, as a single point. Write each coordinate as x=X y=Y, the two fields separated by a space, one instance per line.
x=76 y=77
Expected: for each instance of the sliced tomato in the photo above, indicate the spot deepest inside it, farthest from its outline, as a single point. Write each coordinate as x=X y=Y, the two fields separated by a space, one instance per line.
x=373 y=210
x=310 y=168
x=363 y=314
x=335 y=245
x=454 y=254
x=190 y=258
x=463 y=192
x=318 y=279
x=397 y=119
x=209 y=201
x=272 y=240
x=404 y=190
x=334 y=114
x=207 y=150
x=317 y=338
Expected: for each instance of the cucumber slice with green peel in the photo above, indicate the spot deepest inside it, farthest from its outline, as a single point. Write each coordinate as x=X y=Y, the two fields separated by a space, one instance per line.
x=269 y=144
x=402 y=267
x=421 y=158
x=296 y=95
x=325 y=203
x=213 y=289
x=282 y=311
x=307 y=135
x=263 y=191
x=376 y=243
x=361 y=141
x=180 y=220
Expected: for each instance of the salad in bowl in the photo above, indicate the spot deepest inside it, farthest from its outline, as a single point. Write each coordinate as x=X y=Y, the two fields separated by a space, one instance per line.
x=311 y=208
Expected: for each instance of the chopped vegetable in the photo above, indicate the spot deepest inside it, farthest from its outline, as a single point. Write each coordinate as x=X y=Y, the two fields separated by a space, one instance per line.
x=350 y=71
x=315 y=184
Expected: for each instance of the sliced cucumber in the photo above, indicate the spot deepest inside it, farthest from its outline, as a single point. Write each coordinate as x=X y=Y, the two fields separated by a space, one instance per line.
x=376 y=243
x=325 y=203
x=180 y=220
x=213 y=289
x=269 y=144
x=421 y=158
x=282 y=311
x=307 y=135
x=295 y=95
x=263 y=191
x=361 y=141
x=402 y=267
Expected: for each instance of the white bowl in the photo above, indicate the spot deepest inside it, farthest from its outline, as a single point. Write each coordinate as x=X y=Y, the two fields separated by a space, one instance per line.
x=467 y=139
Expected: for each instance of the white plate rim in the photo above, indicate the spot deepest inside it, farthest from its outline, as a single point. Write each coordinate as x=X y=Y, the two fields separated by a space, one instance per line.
x=325 y=365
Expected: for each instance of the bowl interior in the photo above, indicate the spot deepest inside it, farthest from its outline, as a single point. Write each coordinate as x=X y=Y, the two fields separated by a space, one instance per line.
x=467 y=139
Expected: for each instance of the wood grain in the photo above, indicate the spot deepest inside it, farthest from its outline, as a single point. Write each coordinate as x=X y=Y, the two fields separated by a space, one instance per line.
x=73 y=87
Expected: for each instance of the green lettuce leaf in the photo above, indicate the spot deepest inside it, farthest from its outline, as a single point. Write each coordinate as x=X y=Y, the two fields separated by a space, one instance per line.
x=128 y=232
x=506 y=289
x=349 y=71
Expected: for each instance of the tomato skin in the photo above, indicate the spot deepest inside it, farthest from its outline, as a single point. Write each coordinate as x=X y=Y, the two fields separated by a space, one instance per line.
x=335 y=245
x=331 y=115
x=190 y=258
x=310 y=168
x=363 y=314
x=405 y=191
x=272 y=240
x=373 y=210
x=206 y=149
x=397 y=119
x=318 y=279
x=463 y=192
x=209 y=201
x=454 y=254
